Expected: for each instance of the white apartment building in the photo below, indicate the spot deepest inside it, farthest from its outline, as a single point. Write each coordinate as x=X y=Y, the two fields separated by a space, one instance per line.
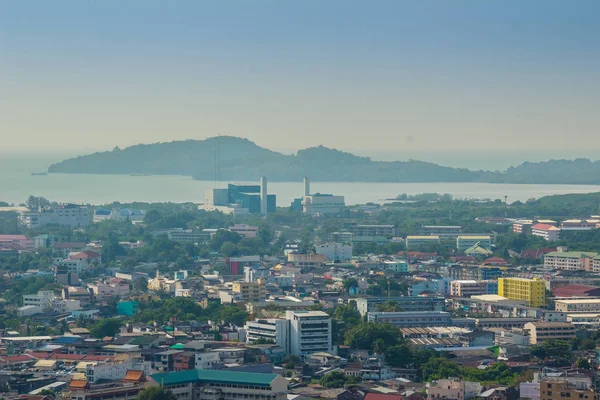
x=596 y=264
x=322 y=204
x=70 y=215
x=569 y=260
x=112 y=371
x=577 y=305
x=274 y=329
x=468 y=288
x=335 y=252
x=206 y=360
x=545 y=231
x=42 y=299
x=310 y=332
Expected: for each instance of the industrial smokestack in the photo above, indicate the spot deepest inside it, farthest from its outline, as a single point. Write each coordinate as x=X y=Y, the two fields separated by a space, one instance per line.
x=306 y=186
x=263 y=195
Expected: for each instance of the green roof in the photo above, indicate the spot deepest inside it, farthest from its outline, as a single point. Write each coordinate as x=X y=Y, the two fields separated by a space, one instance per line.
x=577 y=254
x=178 y=346
x=214 y=376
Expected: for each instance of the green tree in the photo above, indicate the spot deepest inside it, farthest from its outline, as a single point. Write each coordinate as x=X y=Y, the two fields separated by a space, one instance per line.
x=290 y=361
x=141 y=284
x=105 y=328
x=156 y=393
x=48 y=392
x=583 y=363
x=334 y=379
x=349 y=284
x=152 y=216
x=399 y=355
x=364 y=335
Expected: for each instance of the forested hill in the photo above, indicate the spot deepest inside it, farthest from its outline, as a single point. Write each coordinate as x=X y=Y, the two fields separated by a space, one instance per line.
x=242 y=160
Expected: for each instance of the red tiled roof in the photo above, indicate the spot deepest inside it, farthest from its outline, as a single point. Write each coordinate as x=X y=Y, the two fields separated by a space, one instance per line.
x=78 y=384
x=91 y=357
x=39 y=355
x=536 y=253
x=133 y=375
x=92 y=254
x=544 y=227
x=573 y=290
x=382 y=396
x=496 y=260
x=17 y=359
x=13 y=237
x=73 y=357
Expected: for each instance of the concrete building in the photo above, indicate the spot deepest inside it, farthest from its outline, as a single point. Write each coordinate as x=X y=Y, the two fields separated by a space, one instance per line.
x=412 y=319
x=238 y=264
x=310 y=332
x=547 y=232
x=577 y=305
x=406 y=303
x=318 y=203
x=596 y=264
x=413 y=242
x=444 y=232
x=119 y=214
x=188 y=236
x=336 y=252
x=222 y=385
x=375 y=233
x=532 y=291
x=240 y=199
x=454 y=389
x=274 y=329
x=16 y=242
x=70 y=215
x=465 y=242
x=42 y=299
x=250 y=291
x=304 y=260
x=542 y=331
x=244 y=230
x=579 y=224
x=107 y=292
x=569 y=260
x=468 y=288
x=561 y=389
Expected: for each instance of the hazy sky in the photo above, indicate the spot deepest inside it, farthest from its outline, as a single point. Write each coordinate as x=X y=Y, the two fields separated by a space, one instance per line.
x=365 y=75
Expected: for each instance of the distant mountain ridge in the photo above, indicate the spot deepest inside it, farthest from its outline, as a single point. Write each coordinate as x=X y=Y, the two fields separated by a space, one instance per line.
x=242 y=159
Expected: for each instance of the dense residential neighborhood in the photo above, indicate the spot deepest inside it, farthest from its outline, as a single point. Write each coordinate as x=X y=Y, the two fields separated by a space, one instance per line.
x=380 y=302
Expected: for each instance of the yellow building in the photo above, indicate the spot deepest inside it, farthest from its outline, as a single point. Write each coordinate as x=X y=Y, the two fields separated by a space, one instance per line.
x=533 y=291
x=251 y=291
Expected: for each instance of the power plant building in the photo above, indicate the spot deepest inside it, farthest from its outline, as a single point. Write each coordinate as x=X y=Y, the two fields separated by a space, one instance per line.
x=241 y=199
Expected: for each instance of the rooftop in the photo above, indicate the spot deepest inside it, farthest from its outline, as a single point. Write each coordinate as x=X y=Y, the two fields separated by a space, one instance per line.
x=578 y=301
x=571 y=254
x=187 y=376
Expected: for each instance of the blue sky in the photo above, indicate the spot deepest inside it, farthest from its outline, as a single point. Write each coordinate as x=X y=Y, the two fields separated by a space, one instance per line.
x=377 y=75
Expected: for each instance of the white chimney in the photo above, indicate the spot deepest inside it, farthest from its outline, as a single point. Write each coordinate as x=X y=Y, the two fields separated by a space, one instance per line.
x=263 y=195
x=306 y=186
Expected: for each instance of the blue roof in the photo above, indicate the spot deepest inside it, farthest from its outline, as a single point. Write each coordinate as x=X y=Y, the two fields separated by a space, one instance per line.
x=102 y=211
x=66 y=339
